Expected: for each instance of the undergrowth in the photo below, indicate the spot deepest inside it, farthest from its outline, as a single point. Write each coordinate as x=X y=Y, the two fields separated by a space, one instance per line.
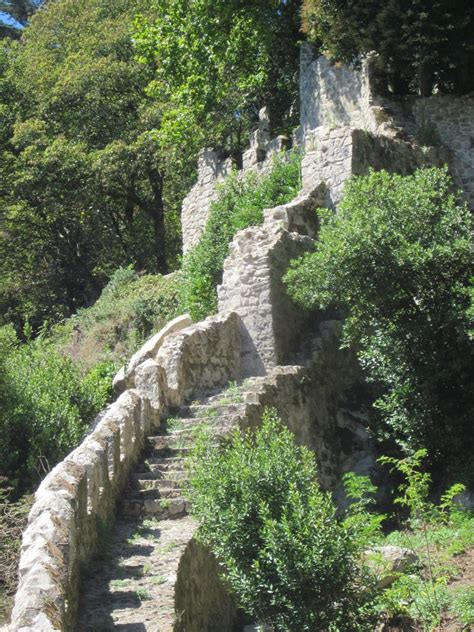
x=240 y=203
x=129 y=310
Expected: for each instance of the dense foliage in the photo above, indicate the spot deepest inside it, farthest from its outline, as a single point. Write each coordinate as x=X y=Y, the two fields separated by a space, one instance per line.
x=83 y=182
x=240 y=203
x=397 y=257
x=130 y=309
x=216 y=63
x=287 y=558
x=46 y=405
x=420 y=44
x=101 y=117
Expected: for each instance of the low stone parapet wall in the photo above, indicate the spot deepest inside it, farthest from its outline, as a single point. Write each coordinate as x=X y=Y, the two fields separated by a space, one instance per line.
x=75 y=504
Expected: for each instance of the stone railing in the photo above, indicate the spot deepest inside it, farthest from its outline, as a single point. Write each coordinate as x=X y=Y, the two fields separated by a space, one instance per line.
x=75 y=503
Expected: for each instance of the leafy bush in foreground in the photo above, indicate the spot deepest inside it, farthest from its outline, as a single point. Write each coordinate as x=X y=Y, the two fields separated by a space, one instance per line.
x=240 y=203
x=284 y=554
x=398 y=259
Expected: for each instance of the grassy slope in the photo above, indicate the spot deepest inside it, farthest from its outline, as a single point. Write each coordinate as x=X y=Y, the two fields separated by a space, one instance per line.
x=130 y=309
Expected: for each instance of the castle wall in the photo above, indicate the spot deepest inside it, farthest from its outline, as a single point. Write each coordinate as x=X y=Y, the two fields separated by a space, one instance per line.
x=333 y=96
x=449 y=120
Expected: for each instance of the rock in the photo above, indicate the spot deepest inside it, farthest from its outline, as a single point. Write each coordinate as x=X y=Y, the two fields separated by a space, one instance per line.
x=152 y=346
x=119 y=382
x=388 y=562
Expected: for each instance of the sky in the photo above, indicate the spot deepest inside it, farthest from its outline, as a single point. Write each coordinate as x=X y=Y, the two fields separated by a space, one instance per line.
x=6 y=19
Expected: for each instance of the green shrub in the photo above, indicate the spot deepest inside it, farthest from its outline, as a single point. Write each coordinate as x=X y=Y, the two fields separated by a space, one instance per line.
x=397 y=259
x=240 y=203
x=130 y=309
x=46 y=406
x=274 y=532
x=437 y=533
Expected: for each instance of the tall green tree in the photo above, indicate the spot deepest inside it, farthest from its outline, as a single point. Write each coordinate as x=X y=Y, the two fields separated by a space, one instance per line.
x=218 y=62
x=84 y=178
x=420 y=43
x=18 y=13
x=397 y=258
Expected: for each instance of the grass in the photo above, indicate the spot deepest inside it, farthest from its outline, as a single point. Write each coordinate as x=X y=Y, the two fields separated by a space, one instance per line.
x=462 y=605
x=168 y=547
x=429 y=594
x=240 y=203
x=231 y=395
x=120 y=583
x=129 y=310
x=143 y=594
x=174 y=423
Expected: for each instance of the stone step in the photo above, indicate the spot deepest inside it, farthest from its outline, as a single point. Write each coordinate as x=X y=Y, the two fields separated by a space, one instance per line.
x=160 y=508
x=166 y=452
x=206 y=411
x=162 y=464
x=217 y=398
x=173 y=476
x=156 y=483
x=191 y=425
x=178 y=446
x=166 y=508
x=153 y=493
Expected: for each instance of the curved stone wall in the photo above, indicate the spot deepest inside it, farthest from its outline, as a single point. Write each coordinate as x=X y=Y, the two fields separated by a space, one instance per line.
x=75 y=503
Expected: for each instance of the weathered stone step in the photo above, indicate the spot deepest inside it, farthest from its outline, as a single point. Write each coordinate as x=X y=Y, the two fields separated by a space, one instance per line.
x=156 y=483
x=167 y=452
x=162 y=464
x=208 y=411
x=177 y=446
x=166 y=508
x=153 y=493
x=173 y=476
x=172 y=441
x=190 y=426
x=159 y=508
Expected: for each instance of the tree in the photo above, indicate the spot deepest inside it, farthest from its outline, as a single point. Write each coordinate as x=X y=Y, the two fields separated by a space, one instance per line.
x=420 y=43
x=217 y=63
x=84 y=188
x=282 y=551
x=397 y=259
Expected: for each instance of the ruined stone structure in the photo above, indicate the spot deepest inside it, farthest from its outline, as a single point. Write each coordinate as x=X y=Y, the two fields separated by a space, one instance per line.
x=346 y=126
x=131 y=463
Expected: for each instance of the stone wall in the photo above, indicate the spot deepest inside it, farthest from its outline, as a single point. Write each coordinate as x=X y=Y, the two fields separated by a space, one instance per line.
x=450 y=120
x=333 y=96
x=214 y=166
x=334 y=100
x=252 y=283
x=320 y=401
x=75 y=503
x=202 y=603
x=332 y=156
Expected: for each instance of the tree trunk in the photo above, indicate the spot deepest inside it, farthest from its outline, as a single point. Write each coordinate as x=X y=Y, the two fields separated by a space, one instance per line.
x=156 y=212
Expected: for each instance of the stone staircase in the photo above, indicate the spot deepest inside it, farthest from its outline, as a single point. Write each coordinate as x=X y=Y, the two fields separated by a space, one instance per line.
x=132 y=584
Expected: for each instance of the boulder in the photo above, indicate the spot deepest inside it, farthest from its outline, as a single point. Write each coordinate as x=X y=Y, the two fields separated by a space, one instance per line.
x=388 y=562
